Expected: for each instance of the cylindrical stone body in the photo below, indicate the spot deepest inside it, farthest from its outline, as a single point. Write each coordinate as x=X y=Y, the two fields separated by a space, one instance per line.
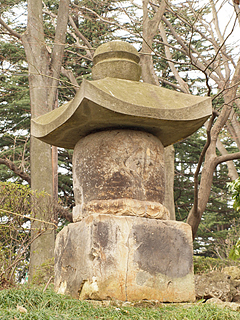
x=118 y=164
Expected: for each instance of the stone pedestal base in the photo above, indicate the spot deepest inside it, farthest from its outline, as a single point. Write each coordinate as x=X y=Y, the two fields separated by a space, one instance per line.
x=125 y=258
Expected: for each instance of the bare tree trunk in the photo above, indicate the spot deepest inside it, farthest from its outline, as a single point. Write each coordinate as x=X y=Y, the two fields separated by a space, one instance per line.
x=41 y=165
x=169 y=156
x=150 y=28
x=211 y=158
x=44 y=70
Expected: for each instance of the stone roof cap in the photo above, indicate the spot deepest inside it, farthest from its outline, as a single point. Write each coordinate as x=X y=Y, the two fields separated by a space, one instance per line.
x=117 y=103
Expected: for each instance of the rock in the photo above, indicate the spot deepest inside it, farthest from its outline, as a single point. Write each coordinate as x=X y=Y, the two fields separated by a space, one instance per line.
x=125 y=258
x=231 y=305
x=233 y=272
x=236 y=286
x=214 y=285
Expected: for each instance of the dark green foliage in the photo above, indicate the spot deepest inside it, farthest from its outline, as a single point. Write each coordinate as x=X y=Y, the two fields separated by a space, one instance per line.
x=14 y=109
x=187 y=153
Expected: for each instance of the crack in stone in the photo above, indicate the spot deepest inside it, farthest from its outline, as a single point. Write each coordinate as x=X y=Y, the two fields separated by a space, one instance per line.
x=81 y=287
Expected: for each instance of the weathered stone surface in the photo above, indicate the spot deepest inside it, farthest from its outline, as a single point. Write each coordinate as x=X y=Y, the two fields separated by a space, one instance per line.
x=122 y=207
x=116 y=59
x=125 y=258
x=231 y=305
x=118 y=164
x=117 y=103
x=233 y=272
x=214 y=285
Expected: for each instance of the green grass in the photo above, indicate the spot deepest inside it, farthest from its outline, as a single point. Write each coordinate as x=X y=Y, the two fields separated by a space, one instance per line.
x=49 y=306
x=207 y=264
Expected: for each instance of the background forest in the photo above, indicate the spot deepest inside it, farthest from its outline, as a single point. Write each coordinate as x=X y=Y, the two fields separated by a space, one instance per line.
x=188 y=46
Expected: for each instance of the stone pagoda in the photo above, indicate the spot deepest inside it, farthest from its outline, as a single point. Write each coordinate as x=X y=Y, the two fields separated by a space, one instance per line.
x=122 y=244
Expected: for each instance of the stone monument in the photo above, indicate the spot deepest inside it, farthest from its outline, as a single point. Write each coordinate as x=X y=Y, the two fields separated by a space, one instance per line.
x=122 y=244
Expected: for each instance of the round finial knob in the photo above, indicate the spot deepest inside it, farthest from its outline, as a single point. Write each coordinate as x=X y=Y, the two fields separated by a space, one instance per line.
x=116 y=59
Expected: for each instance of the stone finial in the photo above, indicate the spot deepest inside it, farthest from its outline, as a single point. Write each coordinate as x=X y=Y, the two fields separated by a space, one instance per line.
x=116 y=59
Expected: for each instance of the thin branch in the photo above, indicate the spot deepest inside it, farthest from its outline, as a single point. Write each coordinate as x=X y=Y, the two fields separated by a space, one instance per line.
x=182 y=83
x=11 y=31
x=220 y=37
x=28 y=217
x=70 y=76
x=237 y=11
x=227 y=157
x=47 y=284
x=21 y=253
x=81 y=36
x=219 y=49
x=59 y=80
x=102 y=19
x=232 y=171
x=175 y=86
x=211 y=40
x=226 y=89
x=195 y=61
x=78 y=54
x=15 y=169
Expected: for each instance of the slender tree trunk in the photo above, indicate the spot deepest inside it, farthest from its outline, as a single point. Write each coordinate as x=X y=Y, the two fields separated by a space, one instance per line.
x=195 y=214
x=211 y=158
x=150 y=29
x=44 y=69
x=169 y=155
x=41 y=253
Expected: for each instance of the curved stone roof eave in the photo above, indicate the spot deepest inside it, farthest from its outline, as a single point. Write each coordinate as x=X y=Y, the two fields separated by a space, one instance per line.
x=111 y=103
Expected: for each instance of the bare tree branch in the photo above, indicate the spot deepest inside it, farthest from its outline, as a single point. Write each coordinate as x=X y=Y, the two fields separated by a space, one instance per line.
x=227 y=157
x=232 y=171
x=175 y=86
x=195 y=61
x=150 y=28
x=15 y=169
x=220 y=37
x=81 y=36
x=70 y=76
x=198 y=30
x=237 y=10
x=11 y=31
x=182 y=83
x=58 y=49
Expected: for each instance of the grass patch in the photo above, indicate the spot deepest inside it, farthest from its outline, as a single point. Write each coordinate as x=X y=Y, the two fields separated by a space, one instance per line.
x=49 y=305
x=206 y=264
